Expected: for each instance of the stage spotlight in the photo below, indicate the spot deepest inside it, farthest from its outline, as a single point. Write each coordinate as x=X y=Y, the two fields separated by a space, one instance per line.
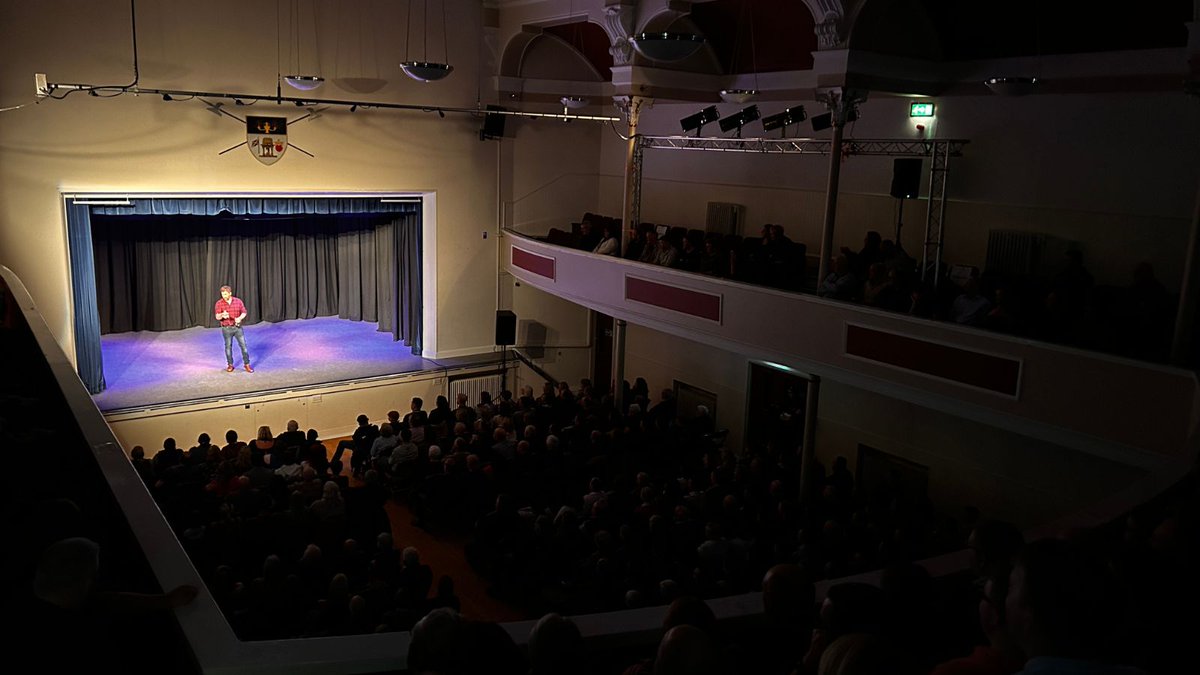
x=740 y=119
x=701 y=118
x=238 y=101
x=823 y=122
x=785 y=119
x=354 y=107
x=167 y=97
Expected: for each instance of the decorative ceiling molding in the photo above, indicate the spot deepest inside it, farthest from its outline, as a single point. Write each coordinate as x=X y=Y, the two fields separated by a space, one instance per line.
x=619 y=21
x=831 y=27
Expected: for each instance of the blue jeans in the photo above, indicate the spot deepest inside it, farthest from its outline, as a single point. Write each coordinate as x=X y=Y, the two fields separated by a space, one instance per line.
x=230 y=332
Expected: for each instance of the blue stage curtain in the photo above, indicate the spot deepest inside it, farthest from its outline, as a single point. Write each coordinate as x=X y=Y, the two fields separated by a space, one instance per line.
x=88 y=358
x=380 y=263
x=400 y=241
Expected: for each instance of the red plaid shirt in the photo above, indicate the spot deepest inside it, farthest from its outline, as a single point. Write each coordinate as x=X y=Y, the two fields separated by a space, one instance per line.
x=234 y=307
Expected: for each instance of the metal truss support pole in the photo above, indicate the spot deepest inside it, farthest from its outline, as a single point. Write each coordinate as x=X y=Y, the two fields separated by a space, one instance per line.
x=935 y=216
x=831 y=195
x=842 y=103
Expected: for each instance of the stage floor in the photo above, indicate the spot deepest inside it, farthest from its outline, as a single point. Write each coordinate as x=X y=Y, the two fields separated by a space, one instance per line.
x=150 y=369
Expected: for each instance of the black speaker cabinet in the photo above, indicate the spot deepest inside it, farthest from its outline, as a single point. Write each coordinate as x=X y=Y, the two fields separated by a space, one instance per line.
x=506 y=327
x=493 y=124
x=906 y=177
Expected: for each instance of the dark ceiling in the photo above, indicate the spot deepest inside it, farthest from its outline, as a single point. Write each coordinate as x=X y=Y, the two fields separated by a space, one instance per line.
x=778 y=35
x=989 y=29
x=758 y=35
x=590 y=40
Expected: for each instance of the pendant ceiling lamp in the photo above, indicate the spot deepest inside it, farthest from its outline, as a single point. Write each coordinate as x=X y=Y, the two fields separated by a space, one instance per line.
x=665 y=46
x=424 y=70
x=1020 y=84
x=299 y=79
x=740 y=96
x=571 y=101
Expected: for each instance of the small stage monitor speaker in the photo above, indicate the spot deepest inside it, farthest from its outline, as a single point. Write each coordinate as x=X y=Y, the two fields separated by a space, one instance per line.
x=506 y=327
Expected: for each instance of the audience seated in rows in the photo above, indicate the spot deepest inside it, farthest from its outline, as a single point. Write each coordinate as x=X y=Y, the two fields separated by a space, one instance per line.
x=590 y=509
x=1067 y=307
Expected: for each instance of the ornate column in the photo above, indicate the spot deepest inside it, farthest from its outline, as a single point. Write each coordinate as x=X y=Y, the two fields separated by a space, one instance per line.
x=631 y=107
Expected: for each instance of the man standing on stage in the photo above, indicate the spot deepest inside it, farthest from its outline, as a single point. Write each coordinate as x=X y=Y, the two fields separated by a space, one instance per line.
x=230 y=311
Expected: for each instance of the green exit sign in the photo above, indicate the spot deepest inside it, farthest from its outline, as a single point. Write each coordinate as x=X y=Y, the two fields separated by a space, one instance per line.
x=920 y=110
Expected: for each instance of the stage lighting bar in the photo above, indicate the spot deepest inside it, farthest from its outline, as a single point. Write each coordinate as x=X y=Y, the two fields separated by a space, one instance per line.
x=701 y=118
x=785 y=119
x=740 y=119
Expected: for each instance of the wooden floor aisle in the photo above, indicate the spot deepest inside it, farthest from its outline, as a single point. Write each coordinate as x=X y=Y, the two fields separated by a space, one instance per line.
x=444 y=554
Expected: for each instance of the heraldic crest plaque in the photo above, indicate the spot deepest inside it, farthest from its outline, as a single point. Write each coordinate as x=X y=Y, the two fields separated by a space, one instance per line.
x=266 y=137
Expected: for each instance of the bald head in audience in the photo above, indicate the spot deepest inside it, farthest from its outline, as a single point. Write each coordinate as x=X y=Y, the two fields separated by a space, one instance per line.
x=788 y=594
x=686 y=650
x=555 y=647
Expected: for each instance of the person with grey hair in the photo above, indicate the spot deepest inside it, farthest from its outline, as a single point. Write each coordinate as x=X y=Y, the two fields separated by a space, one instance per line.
x=415 y=579
x=293 y=438
x=331 y=505
x=65 y=605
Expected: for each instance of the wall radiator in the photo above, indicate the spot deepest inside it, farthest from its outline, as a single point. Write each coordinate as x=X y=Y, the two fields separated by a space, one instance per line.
x=724 y=218
x=473 y=385
x=1015 y=253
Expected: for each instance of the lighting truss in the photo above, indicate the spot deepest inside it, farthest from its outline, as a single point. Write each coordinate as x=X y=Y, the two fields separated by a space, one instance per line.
x=805 y=146
x=61 y=90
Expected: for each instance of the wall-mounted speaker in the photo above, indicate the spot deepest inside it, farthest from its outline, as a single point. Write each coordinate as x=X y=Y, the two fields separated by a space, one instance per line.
x=493 y=124
x=506 y=327
x=906 y=177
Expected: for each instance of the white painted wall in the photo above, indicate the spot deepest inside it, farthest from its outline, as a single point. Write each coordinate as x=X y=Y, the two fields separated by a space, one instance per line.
x=553 y=332
x=1116 y=172
x=661 y=359
x=144 y=144
x=1026 y=481
x=549 y=177
x=332 y=411
x=1005 y=474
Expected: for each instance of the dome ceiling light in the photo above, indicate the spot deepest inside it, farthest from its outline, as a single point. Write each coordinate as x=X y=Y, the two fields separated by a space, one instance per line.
x=304 y=82
x=424 y=70
x=741 y=96
x=667 y=47
x=1012 y=86
x=300 y=80
x=738 y=95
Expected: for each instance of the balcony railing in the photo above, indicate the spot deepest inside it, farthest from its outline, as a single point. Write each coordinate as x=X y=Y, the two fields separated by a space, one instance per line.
x=1129 y=411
